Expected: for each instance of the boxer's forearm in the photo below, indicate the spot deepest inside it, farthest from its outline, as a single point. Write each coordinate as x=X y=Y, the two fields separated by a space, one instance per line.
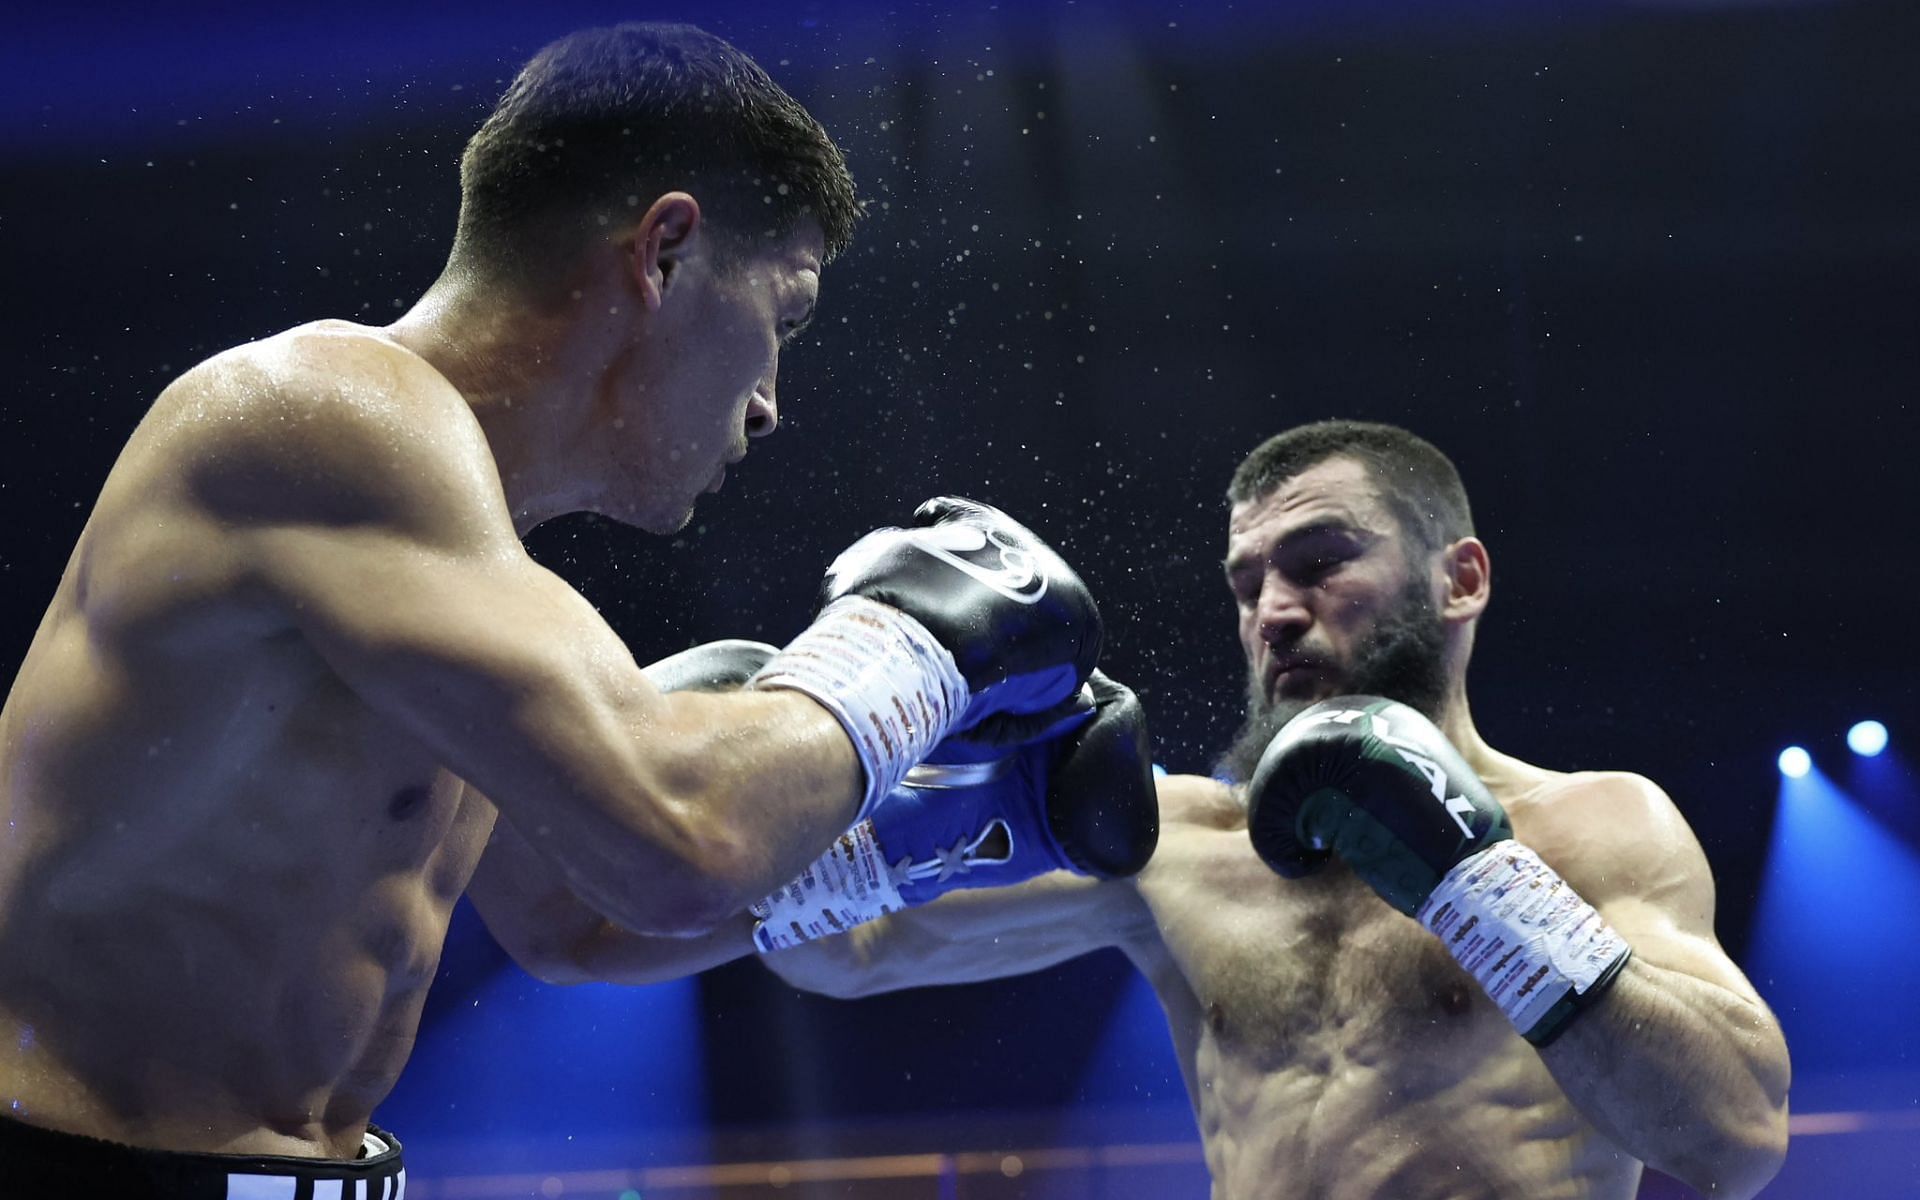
x=890 y=954
x=771 y=776
x=969 y=937
x=1684 y=1074
x=718 y=800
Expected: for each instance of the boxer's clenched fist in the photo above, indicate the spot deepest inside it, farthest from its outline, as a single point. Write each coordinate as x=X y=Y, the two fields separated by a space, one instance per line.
x=1375 y=783
x=1082 y=801
x=963 y=621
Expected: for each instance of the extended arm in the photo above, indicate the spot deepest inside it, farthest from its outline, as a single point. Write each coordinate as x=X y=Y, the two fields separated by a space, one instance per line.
x=970 y=936
x=1083 y=800
x=964 y=937
x=554 y=935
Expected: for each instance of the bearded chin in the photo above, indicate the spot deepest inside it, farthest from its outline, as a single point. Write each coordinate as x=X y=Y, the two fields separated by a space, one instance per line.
x=1403 y=660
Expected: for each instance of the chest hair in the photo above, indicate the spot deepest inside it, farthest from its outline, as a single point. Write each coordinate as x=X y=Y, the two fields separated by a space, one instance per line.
x=1287 y=972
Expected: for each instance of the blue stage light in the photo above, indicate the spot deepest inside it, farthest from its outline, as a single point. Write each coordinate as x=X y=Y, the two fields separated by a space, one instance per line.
x=1829 y=854
x=1867 y=739
x=1795 y=762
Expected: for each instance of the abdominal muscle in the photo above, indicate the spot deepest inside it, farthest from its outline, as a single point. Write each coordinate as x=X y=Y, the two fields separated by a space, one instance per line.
x=224 y=886
x=1352 y=1132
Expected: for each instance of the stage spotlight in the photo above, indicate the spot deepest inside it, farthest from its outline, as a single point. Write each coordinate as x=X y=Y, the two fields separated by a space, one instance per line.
x=1867 y=739
x=1795 y=762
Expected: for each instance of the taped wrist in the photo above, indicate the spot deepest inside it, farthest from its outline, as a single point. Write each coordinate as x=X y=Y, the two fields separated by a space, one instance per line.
x=848 y=885
x=892 y=686
x=1540 y=951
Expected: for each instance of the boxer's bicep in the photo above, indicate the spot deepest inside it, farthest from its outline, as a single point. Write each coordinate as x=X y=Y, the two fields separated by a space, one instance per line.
x=373 y=522
x=500 y=668
x=1680 y=1062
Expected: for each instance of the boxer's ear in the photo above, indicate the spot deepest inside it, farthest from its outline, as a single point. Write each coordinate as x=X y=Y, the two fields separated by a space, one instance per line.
x=1469 y=578
x=660 y=242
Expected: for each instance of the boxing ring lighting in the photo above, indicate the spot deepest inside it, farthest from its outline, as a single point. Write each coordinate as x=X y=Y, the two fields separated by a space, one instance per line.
x=1867 y=738
x=1795 y=762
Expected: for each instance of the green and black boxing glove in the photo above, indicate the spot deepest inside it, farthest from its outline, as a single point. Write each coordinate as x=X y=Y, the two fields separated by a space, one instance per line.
x=1374 y=782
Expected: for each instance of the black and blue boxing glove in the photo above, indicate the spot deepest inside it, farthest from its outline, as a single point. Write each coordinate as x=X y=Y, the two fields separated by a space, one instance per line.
x=963 y=621
x=1082 y=800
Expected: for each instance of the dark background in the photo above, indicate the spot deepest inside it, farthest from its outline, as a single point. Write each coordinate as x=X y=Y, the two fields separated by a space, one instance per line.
x=1646 y=271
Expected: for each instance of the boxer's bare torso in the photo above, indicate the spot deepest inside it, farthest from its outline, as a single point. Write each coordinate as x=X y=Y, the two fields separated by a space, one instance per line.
x=224 y=880
x=1331 y=1046
x=252 y=755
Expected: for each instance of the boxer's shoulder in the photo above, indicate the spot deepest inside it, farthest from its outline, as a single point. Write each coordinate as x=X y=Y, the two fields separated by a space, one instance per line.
x=1577 y=798
x=310 y=377
x=1590 y=825
x=329 y=419
x=1198 y=803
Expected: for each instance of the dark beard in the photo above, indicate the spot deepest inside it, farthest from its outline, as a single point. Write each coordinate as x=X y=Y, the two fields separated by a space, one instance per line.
x=1402 y=660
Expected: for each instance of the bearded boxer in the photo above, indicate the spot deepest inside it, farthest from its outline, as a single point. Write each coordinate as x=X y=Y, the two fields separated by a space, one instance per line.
x=1381 y=1018
x=299 y=654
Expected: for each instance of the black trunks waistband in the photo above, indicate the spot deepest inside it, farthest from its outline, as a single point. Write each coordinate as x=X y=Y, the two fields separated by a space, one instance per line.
x=36 y=1162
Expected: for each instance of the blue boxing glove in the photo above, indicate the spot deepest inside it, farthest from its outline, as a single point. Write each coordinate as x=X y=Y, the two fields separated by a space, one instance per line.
x=963 y=621
x=1082 y=800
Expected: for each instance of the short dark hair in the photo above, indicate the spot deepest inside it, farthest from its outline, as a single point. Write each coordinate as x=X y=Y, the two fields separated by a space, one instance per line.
x=603 y=121
x=1418 y=482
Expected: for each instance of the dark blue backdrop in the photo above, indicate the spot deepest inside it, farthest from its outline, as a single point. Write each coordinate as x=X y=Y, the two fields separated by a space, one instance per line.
x=1649 y=272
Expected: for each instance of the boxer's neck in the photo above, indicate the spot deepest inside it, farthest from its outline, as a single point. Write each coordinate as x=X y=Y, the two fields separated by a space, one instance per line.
x=1455 y=719
x=525 y=374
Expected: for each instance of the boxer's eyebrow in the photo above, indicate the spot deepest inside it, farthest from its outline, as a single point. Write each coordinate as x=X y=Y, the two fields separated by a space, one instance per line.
x=1326 y=529
x=1328 y=539
x=1328 y=533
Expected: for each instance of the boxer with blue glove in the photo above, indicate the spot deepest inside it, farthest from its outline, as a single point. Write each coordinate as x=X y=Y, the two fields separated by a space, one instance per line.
x=1079 y=800
x=962 y=621
x=970 y=817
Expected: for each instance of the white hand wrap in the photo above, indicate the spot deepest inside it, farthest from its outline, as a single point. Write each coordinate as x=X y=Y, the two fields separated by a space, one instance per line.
x=891 y=685
x=848 y=885
x=1517 y=928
